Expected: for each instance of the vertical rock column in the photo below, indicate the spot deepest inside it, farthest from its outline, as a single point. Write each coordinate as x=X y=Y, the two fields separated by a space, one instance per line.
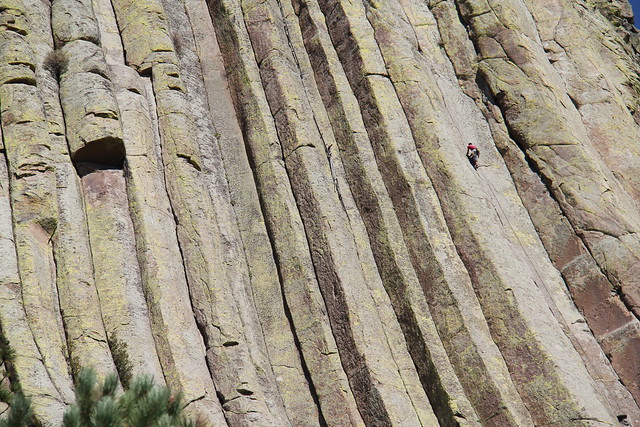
x=94 y=137
x=611 y=322
x=33 y=377
x=393 y=261
x=349 y=195
x=450 y=298
x=265 y=284
x=213 y=174
x=244 y=381
x=113 y=240
x=436 y=125
x=215 y=308
x=365 y=355
x=80 y=308
x=528 y=90
x=283 y=220
x=129 y=315
x=178 y=342
x=32 y=187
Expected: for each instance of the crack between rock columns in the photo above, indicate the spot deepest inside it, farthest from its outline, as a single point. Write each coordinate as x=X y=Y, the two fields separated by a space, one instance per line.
x=268 y=227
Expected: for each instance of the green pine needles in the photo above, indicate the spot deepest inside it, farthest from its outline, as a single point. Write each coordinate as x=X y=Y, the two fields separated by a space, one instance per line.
x=20 y=413
x=143 y=404
x=8 y=383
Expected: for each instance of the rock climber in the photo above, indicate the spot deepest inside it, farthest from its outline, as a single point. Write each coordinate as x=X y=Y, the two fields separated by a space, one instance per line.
x=473 y=153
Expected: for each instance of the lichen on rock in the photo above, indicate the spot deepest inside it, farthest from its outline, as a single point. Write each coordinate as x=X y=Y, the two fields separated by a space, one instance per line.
x=267 y=206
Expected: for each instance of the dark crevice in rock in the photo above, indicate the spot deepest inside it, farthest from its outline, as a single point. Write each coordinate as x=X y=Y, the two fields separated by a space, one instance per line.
x=221 y=398
x=72 y=362
x=287 y=310
x=107 y=151
x=369 y=402
x=244 y=391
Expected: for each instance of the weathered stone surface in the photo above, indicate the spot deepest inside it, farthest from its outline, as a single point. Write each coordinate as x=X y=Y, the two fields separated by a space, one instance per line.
x=232 y=250
x=591 y=290
x=228 y=355
x=145 y=33
x=32 y=189
x=432 y=124
x=79 y=301
x=285 y=361
x=16 y=60
x=110 y=40
x=91 y=113
x=35 y=380
x=296 y=271
x=74 y=20
x=266 y=204
x=593 y=71
x=387 y=245
x=377 y=389
x=117 y=274
x=13 y=17
x=178 y=342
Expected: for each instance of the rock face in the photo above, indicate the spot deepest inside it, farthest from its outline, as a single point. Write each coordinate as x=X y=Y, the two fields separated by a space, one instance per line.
x=266 y=204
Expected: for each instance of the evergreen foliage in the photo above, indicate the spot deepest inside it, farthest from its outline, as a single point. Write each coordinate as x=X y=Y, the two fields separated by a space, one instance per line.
x=7 y=355
x=20 y=412
x=143 y=404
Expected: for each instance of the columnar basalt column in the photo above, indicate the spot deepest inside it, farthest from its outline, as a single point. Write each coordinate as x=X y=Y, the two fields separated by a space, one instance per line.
x=233 y=353
x=28 y=364
x=32 y=189
x=591 y=290
x=265 y=284
x=94 y=133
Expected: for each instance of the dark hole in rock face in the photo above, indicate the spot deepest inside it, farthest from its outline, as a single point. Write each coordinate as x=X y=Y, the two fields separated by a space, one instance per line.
x=86 y=168
x=107 y=151
x=244 y=391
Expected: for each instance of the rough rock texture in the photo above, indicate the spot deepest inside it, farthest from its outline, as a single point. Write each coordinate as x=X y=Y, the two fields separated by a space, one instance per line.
x=266 y=204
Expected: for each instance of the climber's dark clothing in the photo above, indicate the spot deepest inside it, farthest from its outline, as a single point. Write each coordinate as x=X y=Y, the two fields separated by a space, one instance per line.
x=473 y=153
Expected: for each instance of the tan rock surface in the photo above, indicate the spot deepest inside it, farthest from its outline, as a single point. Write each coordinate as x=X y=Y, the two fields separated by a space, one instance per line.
x=267 y=206
x=31 y=186
x=280 y=341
